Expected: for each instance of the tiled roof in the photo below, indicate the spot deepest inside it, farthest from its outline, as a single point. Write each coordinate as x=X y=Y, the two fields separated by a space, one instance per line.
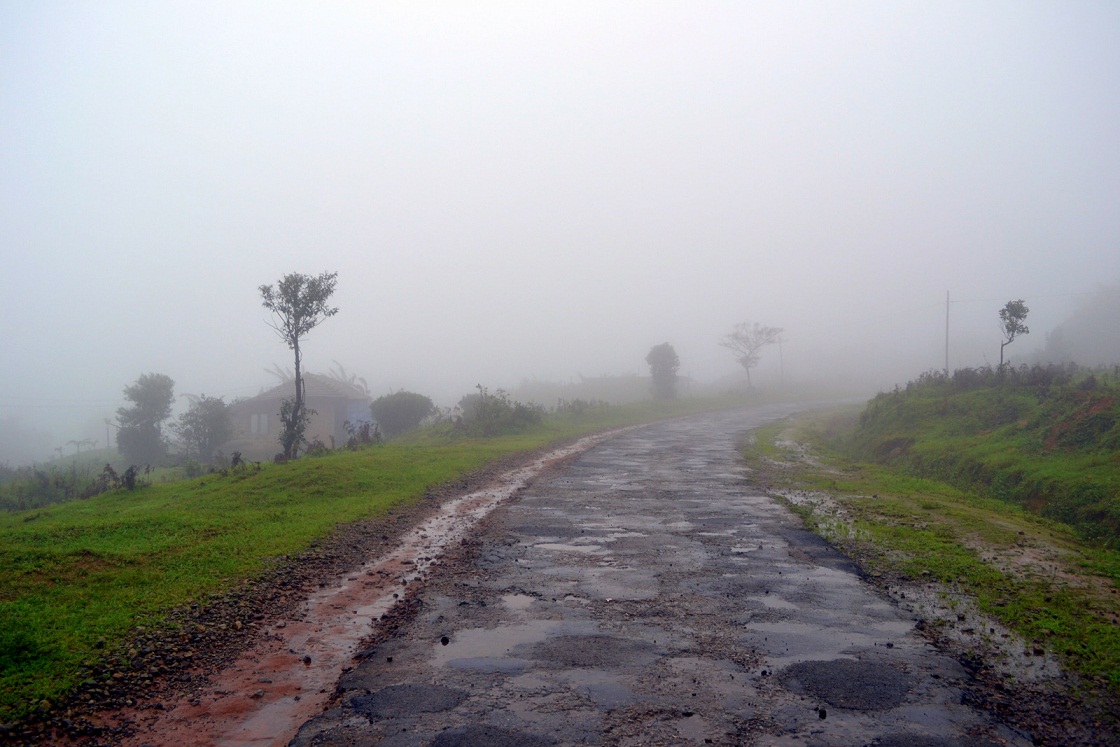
x=315 y=385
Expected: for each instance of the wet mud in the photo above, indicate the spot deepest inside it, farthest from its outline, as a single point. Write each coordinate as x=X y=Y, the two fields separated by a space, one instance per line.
x=649 y=593
x=286 y=672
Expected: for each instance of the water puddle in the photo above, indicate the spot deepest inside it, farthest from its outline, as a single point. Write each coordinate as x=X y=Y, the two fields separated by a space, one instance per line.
x=287 y=676
x=490 y=643
x=560 y=547
x=774 y=602
x=517 y=602
x=693 y=728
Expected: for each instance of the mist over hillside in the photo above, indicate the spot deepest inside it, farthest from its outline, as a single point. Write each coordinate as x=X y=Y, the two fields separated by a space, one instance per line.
x=533 y=192
x=1091 y=335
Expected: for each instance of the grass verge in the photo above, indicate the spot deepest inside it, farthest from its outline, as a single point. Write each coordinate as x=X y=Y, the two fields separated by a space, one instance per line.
x=1035 y=578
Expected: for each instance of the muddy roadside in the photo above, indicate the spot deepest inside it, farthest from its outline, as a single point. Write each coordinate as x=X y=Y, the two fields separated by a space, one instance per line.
x=173 y=665
x=1020 y=681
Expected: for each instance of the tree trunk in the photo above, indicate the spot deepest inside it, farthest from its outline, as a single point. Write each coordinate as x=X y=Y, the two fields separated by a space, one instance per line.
x=298 y=408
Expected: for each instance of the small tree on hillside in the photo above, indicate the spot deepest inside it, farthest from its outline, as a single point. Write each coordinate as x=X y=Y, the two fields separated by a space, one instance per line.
x=746 y=342
x=204 y=427
x=1011 y=323
x=663 y=364
x=400 y=412
x=140 y=433
x=299 y=303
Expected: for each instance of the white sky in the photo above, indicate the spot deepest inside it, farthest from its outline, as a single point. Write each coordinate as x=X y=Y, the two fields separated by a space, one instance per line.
x=512 y=190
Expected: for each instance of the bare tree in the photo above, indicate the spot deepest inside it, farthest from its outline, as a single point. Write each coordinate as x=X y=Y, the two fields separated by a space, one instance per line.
x=746 y=342
x=1011 y=318
x=299 y=303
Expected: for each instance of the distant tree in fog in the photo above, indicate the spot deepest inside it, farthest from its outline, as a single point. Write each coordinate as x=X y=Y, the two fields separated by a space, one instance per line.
x=140 y=435
x=204 y=427
x=746 y=342
x=400 y=412
x=299 y=303
x=663 y=364
x=1011 y=318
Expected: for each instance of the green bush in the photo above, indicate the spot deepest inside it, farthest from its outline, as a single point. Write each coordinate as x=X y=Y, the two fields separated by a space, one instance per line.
x=486 y=414
x=400 y=412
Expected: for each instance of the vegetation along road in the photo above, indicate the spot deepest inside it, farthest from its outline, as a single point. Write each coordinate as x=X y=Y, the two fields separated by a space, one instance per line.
x=651 y=587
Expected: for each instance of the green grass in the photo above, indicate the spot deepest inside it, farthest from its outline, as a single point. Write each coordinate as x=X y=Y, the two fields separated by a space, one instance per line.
x=77 y=577
x=923 y=529
x=1052 y=448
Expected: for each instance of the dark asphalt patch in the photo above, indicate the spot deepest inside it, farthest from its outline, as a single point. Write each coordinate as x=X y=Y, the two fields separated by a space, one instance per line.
x=819 y=551
x=843 y=683
x=397 y=701
x=915 y=740
x=591 y=651
x=488 y=736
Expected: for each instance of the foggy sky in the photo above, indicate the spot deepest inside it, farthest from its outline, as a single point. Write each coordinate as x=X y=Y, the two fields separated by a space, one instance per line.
x=519 y=190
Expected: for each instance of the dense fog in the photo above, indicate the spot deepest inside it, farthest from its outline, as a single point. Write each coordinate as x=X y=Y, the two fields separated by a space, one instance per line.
x=519 y=193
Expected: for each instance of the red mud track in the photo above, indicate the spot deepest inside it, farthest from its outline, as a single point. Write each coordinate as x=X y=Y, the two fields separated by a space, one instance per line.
x=287 y=671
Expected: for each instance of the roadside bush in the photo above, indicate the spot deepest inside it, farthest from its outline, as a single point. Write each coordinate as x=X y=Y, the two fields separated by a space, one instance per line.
x=486 y=414
x=400 y=412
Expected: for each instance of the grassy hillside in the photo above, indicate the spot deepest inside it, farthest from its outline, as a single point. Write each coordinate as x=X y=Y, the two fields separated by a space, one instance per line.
x=973 y=562
x=77 y=577
x=1046 y=439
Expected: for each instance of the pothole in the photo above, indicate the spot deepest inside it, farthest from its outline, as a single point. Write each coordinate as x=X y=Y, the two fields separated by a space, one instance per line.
x=844 y=683
x=488 y=736
x=404 y=700
x=591 y=651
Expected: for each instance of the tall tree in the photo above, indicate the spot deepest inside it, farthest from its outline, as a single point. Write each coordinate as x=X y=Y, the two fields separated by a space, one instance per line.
x=663 y=364
x=299 y=303
x=140 y=434
x=746 y=342
x=204 y=427
x=1011 y=323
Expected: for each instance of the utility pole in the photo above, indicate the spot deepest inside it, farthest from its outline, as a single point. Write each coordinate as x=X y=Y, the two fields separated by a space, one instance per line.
x=946 y=334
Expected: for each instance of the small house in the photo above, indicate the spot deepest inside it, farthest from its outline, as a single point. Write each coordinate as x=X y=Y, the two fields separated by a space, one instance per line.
x=333 y=402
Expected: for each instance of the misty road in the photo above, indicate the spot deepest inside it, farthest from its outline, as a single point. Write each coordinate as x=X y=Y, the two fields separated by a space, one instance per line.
x=648 y=593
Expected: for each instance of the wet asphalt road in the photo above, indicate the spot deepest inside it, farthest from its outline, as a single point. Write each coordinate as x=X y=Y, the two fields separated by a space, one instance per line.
x=650 y=594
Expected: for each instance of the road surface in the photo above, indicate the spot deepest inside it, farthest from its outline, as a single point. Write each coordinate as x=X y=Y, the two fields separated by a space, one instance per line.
x=649 y=593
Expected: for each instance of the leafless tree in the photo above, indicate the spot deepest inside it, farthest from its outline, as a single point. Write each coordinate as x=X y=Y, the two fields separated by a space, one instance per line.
x=746 y=342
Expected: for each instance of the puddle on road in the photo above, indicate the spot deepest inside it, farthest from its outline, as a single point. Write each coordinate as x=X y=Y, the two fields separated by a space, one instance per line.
x=287 y=676
x=560 y=547
x=517 y=602
x=774 y=602
x=489 y=643
x=693 y=728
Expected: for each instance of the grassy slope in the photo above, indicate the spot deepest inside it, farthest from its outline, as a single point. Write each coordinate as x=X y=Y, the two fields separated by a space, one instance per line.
x=1037 y=577
x=75 y=578
x=1054 y=450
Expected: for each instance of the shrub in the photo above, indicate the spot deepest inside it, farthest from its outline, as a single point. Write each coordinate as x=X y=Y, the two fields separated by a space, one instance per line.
x=486 y=414
x=400 y=412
